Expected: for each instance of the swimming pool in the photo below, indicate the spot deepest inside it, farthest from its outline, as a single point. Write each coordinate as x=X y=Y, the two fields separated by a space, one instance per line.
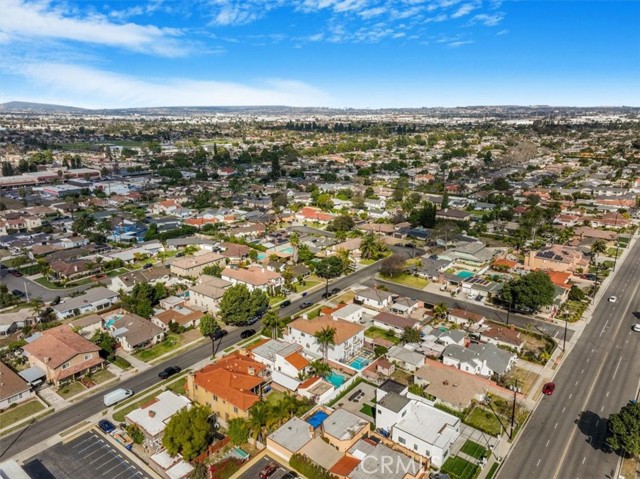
x=464 y=274
x=336 y=379
x=262 y=255
x=359 y=363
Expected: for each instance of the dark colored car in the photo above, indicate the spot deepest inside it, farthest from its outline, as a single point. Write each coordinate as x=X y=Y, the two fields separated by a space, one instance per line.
x=220 y=334
x=268 y=470
x=55 y=301
x=16 y=273
x=285 y=303
x=305 y=305
x=253 y=320
x=335 y=290
x=18 y=293
x=247 y=333
x=147 y=266
x=168 y=372
x=548 y=389
x=327 y=295
x=290 y=475
x=106 y=426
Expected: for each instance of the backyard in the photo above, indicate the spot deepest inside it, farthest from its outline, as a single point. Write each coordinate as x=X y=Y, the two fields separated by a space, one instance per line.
x=375 y=332
x=474 y=450
x=484 y=420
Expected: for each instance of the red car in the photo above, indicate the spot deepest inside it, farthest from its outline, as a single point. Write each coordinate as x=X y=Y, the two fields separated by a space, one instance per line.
x=268 y=470
x=548 y=389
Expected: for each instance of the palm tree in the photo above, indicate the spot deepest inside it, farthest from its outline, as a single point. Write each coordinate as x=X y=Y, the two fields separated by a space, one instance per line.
x=369 y=246
x=273 y=322
x=36 y=305
x=258 y=418
x=294 y=239
x=326 y=337
x=597 y=248
x=441 y=311
x=345 y=256
x=320 y=368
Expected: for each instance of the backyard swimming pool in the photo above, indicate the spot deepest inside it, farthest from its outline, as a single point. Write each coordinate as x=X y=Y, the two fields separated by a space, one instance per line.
x=359 y=363
x=464 y=274
x=336 y=379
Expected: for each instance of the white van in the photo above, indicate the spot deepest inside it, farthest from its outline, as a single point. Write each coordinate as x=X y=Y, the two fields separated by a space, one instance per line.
x=116 y=396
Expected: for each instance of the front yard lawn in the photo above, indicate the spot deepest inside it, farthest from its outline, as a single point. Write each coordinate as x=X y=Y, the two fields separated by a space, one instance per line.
x=178 y=386
x=102 y=376
x=483 y=420
x=121 y=363
x=459 y=468
x=169 y=344
x=408 y=280
x=273 y=300
x=474 y=449
x=15 y=414
x=307 y=285
x=70 y=390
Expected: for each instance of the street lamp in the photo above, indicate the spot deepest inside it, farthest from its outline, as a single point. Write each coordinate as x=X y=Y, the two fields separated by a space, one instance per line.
x=615 y=226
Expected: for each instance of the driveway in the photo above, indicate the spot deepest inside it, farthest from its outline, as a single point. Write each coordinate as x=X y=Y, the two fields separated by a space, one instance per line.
x=254 y=471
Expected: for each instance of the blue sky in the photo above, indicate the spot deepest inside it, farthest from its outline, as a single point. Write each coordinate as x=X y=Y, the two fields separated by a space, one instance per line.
x=337 y=53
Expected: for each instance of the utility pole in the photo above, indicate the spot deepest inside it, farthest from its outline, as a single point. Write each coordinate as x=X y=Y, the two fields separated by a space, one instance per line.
x=513 y=410
x=26 y=291
x=615 y=226
x=509 y=309
x=564 y=339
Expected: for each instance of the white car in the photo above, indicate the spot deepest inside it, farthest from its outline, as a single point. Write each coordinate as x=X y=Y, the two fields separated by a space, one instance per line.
x=612 y=299
x=636 y=328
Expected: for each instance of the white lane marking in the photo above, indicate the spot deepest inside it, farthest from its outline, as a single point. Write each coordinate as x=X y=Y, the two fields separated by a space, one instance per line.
x=607 y=394
x=563 y=409
x=577 y=382
x=584 y=459
x=617 y=366
x=548 y=440
x=555 y=426
x=602 y=409
x=582 y=372
x=570 y=395
x=588 y=359
x=538 y=463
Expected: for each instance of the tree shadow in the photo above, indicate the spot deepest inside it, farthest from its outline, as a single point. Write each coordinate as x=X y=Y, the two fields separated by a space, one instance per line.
x=594 y=428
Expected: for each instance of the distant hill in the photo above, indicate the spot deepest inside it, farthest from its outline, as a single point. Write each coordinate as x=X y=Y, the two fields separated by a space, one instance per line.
x=34 y=107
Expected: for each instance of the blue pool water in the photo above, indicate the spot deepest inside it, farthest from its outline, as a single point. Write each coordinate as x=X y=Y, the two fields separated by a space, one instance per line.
x=464 y=274
x=317 y=419
x=336 y=379
x=359 y=363
x=262 y=255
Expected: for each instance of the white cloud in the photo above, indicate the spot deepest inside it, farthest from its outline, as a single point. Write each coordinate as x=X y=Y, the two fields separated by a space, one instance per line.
x=372 y=12
x=20 y=20
x=488 y=20
x=464 y=9
x=93 y=88
x=460 y=43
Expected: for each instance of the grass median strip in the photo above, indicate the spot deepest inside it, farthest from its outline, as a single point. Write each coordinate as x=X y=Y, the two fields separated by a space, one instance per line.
x=18 y=413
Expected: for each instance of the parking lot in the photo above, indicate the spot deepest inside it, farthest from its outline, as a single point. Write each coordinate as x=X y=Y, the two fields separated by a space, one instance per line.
x=254 y=471
x=90 y=456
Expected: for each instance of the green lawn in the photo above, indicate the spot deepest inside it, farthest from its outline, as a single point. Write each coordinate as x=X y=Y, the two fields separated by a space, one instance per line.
x=493 y=470
x=314 y=313
x=474 y=449
x=459 y=468
x=274 y=396
x=48 y=284
x=368 y=410
x=178 y=386
x=70 y=390
x=103 y=376
x=484 y=420
x=276 y=299
x=308 y=285
x=121 y=363
x=169 y=344
x=15 y=414
x=408 y=280
x=375 y=332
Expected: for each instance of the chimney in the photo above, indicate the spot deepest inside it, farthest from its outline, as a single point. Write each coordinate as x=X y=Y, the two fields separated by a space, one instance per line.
x=75 y=269
x=252 y=371
x=152 y=413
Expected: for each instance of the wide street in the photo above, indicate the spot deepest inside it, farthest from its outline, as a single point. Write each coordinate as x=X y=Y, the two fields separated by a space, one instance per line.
x=35 y=290
x=565 y=436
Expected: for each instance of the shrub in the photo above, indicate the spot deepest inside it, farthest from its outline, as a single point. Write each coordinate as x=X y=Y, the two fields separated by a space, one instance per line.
x=308 y=468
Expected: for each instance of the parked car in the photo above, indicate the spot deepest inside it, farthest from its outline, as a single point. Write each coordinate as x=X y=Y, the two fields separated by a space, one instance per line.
x=636 y=328
x=116 y=396
x=168 y=372
x=253 y=320
x=18 y=293
x=16 y=273
x=335 y=290
x=548 y=389
x=55 y=301
x=220 y=334
x=247 y=333
x=285 y=303
x=290 y=475
x=612 y=299
x=305 y=305
x=106 y=426
x=268 y=470
x=147 y=266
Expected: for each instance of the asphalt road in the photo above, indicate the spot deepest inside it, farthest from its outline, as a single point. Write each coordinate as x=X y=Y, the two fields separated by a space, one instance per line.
x=553 y=330
x=565 y=437
x=34 y=289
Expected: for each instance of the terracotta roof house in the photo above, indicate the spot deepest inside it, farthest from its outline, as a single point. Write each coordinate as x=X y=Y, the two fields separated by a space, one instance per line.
x=254 y=277
x=181 y=315
x=314 y=214
x=235 y=252
x=72 y=269
x=557 y=258
x=63 y=354
x=14 y=389
x=230 y=386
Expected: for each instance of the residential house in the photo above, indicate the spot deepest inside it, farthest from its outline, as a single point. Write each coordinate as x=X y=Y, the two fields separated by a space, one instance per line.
x=181 y=315
x=502 y=336
x=342 y=429
x=474 y=253
x=70 y=270
x=230 y=386
x=254 y=277
x=290 y=438
x=63 y=354
x=483 y=359
x=14 y=389
x=87 y=326
x=354 y=313
x=453 y=214
x=369 y=459
x=193 y=266
x=556 y=258
x=480 y=289
x=374 y=298
x=393 y=322
x=153 y=416
x=309 y=213
x=235 y=252
x=405 y=306
x=125 y=282
x=95 y=299
x=349 y=337
x=11 y=321
x=281 y=358
x=132 y=332
x=208 y=293
x=405 y=358
x=465 y=318
x=435 y=340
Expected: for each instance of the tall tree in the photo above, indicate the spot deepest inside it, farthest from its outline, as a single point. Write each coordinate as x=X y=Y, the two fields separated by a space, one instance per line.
x=531 y=291
x=326 y=337
x=328 y=268
x=410 y=335
x=274 y=323
x=210 y=328
x=624 y=430
x=189 y=432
